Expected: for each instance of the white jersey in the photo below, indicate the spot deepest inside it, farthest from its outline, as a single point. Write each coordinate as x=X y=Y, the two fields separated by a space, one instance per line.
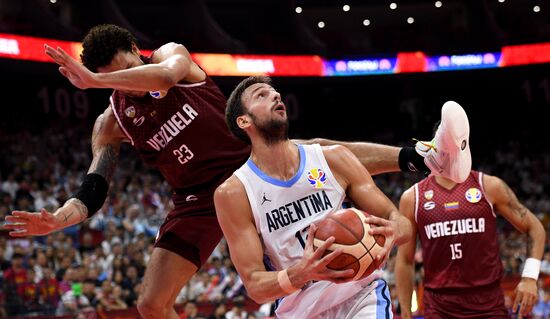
x=283 y=211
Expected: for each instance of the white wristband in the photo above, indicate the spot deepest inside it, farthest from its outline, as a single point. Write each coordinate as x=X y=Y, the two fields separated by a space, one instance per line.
x=531 y=268
x=284 y=282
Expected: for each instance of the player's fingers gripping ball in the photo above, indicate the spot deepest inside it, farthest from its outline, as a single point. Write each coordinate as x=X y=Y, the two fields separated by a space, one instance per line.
x=359 y=249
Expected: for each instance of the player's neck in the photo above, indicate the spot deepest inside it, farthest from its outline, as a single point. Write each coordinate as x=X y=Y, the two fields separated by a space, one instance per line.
x=280 y=160
x=444 y=182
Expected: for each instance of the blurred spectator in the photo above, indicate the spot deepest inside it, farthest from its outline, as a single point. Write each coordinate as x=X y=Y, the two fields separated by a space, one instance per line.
x=15 y=278
x=190 y=311
x=219 y=312
x=236 y=312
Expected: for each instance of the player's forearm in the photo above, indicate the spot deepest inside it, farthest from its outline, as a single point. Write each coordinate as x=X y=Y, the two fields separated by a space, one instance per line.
x=72 y=213
x=537 y=236
x=404 y=277
x=377 y=158
x=150 y=77
x=265 y=286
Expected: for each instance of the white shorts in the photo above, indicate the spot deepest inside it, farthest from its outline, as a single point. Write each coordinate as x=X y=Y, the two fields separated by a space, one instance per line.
x=367 y=304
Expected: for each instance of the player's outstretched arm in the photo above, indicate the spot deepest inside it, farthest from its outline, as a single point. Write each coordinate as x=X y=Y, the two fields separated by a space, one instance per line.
x=404 y=264
x=237 y=222
x=171 y=64
x=362 y=190
x=377 y=158
x=507 y=204
x=90 y=196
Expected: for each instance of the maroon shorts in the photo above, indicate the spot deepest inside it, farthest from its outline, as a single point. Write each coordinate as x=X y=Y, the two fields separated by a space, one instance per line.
x=191 y=229
x=475 y=303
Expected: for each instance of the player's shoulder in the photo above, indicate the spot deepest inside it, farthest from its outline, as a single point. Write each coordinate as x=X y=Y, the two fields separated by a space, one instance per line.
x=106 y=126
x=409 y=193
x=336 y=153
x=230 y=188
x=167 y=50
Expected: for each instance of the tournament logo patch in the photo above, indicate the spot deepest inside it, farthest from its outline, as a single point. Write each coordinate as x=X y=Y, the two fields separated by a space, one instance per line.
x=451 y=206
x=130 y=111
x=428 y=195
x=473 y=195
x=429 y=205
x=317 y=178
x=158 y=94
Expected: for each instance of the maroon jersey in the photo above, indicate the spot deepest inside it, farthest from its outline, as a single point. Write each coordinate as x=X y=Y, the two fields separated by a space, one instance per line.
x=183 y=134
x=457 y=230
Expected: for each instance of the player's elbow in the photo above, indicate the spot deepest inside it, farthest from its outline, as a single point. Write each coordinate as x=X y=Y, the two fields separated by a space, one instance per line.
x=257 y=292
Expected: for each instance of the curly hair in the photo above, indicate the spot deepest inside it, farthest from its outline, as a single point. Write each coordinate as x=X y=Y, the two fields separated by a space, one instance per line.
x=235 y=107
x=101 y=44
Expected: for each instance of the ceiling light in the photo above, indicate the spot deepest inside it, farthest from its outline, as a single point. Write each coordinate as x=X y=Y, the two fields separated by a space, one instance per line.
x=410 y=20
x=501 y=1
x=321 y=24
x=366 y=22
x=53 y=1
x=346 y=8
x=393 y=5
x=438 y=4
x=298 y=10
x=536 y=9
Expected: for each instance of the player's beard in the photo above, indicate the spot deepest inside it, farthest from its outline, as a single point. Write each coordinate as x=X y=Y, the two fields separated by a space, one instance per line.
x=273 y=130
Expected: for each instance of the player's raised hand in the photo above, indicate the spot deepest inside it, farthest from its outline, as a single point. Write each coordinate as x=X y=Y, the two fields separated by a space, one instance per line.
x=30 y=224
x=526 y=294
x=76 y=72
x=314 y=265
x=386 y=228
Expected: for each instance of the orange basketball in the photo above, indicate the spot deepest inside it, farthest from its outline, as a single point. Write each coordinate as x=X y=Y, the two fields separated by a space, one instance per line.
x=350 y=231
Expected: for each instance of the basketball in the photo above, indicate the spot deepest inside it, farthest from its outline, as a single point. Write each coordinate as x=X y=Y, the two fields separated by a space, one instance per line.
x=359 y=249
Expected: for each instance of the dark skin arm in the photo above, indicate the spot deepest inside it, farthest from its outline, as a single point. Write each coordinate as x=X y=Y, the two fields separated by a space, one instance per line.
x=106 y=139
x=507 y=204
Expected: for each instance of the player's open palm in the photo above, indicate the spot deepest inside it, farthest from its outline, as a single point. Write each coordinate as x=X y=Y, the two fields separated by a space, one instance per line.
x=525 y=296
x=30 y=224
x=314 y=264
x=387 y=228
x=73 y=70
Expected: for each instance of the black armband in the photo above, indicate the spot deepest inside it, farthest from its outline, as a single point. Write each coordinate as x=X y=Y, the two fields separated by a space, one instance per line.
x=92 y=192
x=411 y=161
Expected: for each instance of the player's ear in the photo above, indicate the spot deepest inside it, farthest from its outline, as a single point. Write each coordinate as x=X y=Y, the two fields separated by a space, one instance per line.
x=243 y=121
x=135 y=49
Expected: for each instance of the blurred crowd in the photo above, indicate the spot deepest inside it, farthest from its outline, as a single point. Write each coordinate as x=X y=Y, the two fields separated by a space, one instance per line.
x=100 y=264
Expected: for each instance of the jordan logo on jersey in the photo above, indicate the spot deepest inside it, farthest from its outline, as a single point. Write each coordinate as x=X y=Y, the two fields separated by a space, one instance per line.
x=317 y=177
x=265 y=199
